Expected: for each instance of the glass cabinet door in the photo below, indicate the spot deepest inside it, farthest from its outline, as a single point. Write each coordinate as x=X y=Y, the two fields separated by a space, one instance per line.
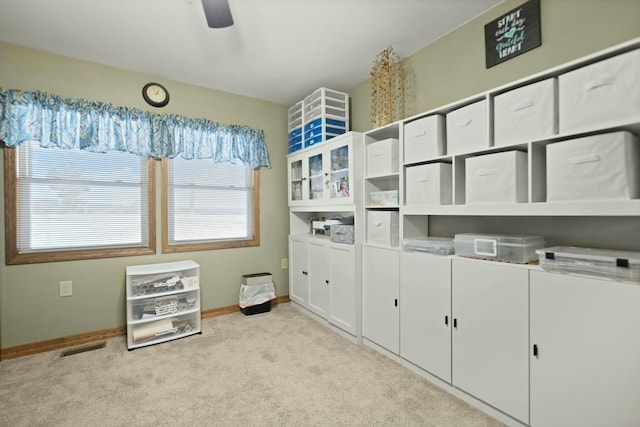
x=316 y=177
x=339 y=172
x=296 y=180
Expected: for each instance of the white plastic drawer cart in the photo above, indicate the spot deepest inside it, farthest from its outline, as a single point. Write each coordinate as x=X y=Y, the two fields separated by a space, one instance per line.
x=163 y=302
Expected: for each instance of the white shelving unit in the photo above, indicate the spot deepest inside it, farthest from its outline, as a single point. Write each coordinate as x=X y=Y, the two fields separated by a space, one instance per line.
x=163 y=302
x=380 y=175
x=525 y=345
x=324 y=275
x=415 y=219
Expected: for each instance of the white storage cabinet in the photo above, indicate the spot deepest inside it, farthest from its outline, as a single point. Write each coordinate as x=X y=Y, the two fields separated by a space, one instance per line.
x=380 y=297
x=490 y=345
x=324 y=275
x=322 y=175
x=163 y=302
x=490 y=305
x=425 y=314
x=584 y=351
x=299 y=270
x=323 y=280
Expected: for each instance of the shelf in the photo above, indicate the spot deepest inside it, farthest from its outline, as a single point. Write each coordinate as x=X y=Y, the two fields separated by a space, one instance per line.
x=323 y=208
x=392 y=130
x=583 y=208
x=373 y=245
x=376 y=207
x=395 y=175
x=160 y=294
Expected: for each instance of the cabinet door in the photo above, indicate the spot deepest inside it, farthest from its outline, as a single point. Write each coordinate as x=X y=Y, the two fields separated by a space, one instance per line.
x=342 y=287
x=425 y=315
x=297 y=177
x=587 y=368
x=316 y=179
x=299 y=271
x=380 y=287
x=339 y=173
x=491 y=334
x=318 y=278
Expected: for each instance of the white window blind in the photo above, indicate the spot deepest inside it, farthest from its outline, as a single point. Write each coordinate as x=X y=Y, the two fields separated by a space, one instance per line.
x=209 y=201
x=72 y=199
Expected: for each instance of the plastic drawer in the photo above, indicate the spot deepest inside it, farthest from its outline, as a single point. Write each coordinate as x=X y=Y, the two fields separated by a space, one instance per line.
x=295 y=147
x=319 y=122
x=148 y=308
x=163 y=329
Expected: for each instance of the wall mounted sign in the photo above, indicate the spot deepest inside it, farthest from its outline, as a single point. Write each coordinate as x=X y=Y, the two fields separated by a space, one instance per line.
x=515 y=32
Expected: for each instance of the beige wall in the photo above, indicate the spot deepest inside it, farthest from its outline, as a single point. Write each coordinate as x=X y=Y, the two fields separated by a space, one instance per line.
x=447 y=70
x=30 y=308
x=453 y=67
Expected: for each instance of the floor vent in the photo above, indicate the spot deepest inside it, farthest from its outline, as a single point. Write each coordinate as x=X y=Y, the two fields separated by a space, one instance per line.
x=82 y=349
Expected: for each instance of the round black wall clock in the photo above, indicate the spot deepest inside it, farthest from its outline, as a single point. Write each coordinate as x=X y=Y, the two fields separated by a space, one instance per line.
x=155 y=94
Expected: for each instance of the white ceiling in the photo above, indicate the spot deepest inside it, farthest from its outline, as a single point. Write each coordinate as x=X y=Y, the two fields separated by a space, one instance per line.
x=278 y=50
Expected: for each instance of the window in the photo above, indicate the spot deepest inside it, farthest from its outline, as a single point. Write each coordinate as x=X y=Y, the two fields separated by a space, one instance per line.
x=67 y=204
x=209 y=205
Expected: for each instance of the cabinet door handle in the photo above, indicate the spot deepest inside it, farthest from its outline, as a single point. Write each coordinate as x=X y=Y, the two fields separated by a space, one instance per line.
x=304 y=273
x=446 y=320
x=455 y=322
x=326 y=281
x=535 y=350
x=395 y=302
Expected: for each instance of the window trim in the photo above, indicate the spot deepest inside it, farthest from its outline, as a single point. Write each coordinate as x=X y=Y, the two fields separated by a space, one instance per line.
x=13 y=256
x=205 y=246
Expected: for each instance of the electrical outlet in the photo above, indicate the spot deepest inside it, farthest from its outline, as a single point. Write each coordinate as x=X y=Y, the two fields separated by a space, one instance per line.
x=66 y=288
x=284 y=263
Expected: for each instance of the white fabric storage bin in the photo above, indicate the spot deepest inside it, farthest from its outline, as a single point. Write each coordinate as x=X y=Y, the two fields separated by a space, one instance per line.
x=525 y=114
x=424 y=139
x=382 y=157
x=601 y=94
x=496 y=178
x=467 y=128
x=383 y=227
x=428 y=184
x=596 y=167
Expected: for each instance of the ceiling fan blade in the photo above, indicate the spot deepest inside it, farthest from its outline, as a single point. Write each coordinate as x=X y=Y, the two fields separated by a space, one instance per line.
x=217 y=13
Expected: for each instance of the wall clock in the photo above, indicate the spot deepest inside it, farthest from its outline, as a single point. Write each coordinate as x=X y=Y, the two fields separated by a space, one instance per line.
x=155 y=94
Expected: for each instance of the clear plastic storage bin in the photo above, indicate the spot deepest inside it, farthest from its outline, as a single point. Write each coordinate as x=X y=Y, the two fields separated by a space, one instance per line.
x=433 y=245
x=500 y=247
x=622 y=265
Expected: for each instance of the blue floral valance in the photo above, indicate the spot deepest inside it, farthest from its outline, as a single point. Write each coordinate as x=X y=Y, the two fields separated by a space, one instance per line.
x=101 y=127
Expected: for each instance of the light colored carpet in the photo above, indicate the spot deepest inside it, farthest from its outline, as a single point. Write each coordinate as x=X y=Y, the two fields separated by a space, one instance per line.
x=272 y=369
